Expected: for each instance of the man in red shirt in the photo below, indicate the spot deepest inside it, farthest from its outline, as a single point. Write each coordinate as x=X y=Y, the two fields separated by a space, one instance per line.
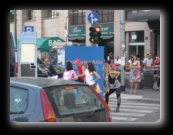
x=81 y=71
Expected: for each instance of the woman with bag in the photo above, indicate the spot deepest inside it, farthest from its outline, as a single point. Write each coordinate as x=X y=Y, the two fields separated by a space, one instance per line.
x=134 y=74
x=90 y=72
x=69 y=73
x=112 y=84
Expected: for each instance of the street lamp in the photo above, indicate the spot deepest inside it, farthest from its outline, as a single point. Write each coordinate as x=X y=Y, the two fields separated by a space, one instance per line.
x=15 y=26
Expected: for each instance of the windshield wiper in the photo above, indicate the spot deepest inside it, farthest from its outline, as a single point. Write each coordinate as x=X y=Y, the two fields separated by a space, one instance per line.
x=96 y=111
x=21 y=112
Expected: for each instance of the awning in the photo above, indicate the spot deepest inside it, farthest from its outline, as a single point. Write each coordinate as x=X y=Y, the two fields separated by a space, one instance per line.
x=107 y=36
x=46 y=43
x=143 y=16
x=76 y=38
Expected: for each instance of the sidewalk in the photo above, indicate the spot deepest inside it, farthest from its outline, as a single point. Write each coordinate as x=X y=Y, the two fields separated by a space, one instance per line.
x=143 y=95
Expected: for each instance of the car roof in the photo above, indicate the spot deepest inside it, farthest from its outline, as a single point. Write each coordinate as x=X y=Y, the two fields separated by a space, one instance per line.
x=42 y=82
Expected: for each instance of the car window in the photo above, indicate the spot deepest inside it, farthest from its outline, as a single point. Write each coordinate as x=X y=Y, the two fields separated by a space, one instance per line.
x=69 y=100
x=18 y=100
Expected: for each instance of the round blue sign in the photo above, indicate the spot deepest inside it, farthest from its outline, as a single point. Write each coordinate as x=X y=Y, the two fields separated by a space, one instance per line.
x=93 y=18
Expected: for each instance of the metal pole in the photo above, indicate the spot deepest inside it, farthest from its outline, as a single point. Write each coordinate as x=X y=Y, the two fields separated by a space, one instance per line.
x=122 y=47
x=15 y=26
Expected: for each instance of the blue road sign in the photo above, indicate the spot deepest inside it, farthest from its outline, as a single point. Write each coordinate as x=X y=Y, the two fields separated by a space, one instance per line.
x=28 y=28
x=93 y=18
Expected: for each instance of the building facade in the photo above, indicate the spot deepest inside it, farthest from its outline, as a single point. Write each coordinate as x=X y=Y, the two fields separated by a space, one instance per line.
x=49 y=24
x=142 y=32
x=139 y=37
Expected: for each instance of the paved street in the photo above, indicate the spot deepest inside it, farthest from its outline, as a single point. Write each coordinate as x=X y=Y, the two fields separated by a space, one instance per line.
x=134 y=111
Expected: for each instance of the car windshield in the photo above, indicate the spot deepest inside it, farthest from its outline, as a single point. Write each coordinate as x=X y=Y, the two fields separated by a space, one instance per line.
x=70 y=100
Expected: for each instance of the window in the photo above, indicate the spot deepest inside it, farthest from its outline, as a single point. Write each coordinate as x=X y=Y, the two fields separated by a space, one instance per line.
x=11 y=17
x=105 y=15
x=52 y=13
x=31 y=15
x=18 y=100
x=136 y=36
x=77 y=17
x=70 y=100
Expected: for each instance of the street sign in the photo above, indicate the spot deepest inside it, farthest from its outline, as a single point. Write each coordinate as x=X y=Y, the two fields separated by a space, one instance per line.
x=28 y=28
x=93 y=18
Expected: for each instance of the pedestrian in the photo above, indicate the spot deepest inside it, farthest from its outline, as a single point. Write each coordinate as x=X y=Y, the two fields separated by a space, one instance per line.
x=49 y=69
x=148 y=63
x=112 y=85
x=134 y=74
x=90 y=72
x=117 y=63
x=81 y=70
x=69 y=73
x=145 y=58
x=112 y=65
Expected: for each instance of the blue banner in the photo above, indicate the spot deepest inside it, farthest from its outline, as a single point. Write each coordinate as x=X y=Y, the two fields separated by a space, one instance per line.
x=88 y=54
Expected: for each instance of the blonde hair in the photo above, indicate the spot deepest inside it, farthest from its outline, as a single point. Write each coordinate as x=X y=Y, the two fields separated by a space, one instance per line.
x=107 y=68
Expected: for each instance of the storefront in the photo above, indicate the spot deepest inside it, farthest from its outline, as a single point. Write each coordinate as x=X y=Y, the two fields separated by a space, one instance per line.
x=45 y=44
x=77 y=34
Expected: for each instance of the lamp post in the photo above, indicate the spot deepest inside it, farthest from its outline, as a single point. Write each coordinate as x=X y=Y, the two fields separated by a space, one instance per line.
x=122 y=47
x=66 y=28
x=15 y=26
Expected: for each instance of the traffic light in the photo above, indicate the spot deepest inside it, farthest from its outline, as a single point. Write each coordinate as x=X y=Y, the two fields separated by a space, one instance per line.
x=95 y=34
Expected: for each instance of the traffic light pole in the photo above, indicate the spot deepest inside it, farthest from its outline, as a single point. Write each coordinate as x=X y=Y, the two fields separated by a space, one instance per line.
x=88 y=25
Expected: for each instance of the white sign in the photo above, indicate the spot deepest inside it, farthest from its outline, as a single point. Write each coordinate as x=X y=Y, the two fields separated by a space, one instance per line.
x=27 y=52
x=134 y=36
x=51 y=42
x=62 y=43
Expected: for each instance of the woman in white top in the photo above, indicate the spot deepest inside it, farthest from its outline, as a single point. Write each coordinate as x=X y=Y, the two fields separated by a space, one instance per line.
x=90 y=72
x=69 y=73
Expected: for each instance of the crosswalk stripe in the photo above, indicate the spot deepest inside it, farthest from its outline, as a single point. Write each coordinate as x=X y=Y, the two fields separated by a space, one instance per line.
x=127 y=114
x=130 y=111
x=127 y=96
x=124 y=118
x=135 y=103
x=133 y=106
x=133 y=110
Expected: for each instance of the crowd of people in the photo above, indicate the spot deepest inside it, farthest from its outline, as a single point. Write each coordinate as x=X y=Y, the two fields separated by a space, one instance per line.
x=88 y=74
